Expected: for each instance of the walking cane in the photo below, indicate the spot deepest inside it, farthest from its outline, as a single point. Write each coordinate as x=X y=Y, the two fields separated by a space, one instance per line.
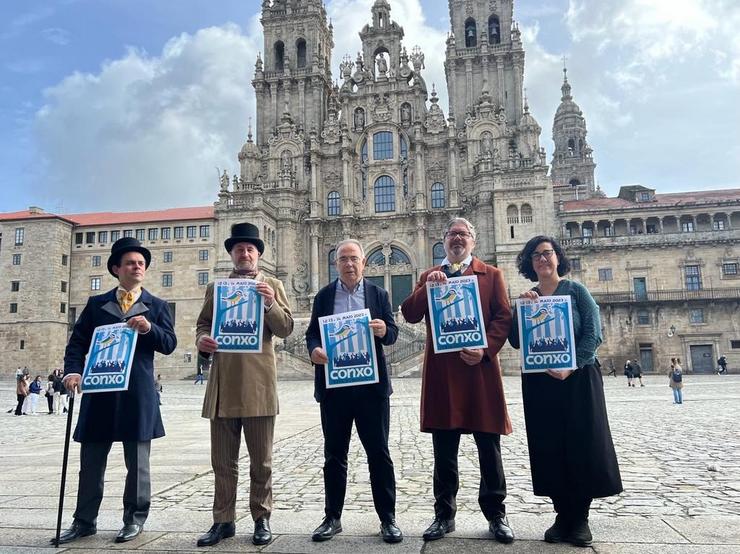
x=64 y=467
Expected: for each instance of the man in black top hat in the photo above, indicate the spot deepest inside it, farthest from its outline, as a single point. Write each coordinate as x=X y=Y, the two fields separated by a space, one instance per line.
x=132 y=416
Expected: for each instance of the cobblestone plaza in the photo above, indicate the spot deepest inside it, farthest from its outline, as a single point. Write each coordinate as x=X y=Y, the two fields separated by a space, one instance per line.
x=680 y=466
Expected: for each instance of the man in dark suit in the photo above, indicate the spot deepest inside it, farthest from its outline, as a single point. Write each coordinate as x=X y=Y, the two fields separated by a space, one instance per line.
x=368 y=406
x=132 y=416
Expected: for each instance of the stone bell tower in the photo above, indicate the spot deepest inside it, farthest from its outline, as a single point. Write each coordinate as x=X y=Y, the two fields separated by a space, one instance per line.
x=295 y=74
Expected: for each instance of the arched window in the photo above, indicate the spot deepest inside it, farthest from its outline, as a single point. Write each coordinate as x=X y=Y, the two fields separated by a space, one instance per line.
x=494 y=30
x=383 y=145
x=512 y=214
x=333 y=273
x=279 y=52
x=526 y=213
x=334 y=204
x=471 y=33
x=438 y=195
x=438 y=253
x=575 y=183
x=385 y=194
x=571 y=146
x=300 y=47
x=399 y=257
x=376 y=257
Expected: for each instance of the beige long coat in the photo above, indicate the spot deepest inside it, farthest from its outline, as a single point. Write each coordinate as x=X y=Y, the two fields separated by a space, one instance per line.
x=245 y=385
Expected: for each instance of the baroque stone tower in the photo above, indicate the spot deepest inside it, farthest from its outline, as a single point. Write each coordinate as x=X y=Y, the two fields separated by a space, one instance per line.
x=572 y=161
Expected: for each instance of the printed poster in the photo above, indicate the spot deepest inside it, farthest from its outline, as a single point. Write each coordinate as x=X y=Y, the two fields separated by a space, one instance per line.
x=546 y=335
x=108 y=363
x=350 y=346
x=455 y=314
x=238 y=315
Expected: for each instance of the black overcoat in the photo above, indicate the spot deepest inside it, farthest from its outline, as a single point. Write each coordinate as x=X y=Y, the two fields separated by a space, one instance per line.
x=131 y=415
x=376 y=300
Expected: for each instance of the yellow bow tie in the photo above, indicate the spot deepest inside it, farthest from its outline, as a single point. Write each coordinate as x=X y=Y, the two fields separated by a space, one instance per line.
x=454 y=268
x=126 y=301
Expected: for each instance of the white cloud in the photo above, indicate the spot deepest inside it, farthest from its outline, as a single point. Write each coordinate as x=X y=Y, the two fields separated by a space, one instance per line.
x=147 y=131
x=56 y=35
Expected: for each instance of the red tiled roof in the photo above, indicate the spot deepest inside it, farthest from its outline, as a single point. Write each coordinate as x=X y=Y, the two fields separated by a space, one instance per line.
x=119 y=218
x=673 y=199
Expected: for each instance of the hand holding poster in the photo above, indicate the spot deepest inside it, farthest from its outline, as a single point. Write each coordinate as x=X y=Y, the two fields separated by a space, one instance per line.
x=546 y=334
x=108 y=363
x=350 y=347
x=455 y=314
x=238 y=315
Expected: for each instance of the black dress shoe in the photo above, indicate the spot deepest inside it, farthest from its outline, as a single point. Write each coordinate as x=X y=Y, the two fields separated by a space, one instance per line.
x=262 y=533
x=558 y=531
x=328 y=528
x=439 y=528
x=390 y=531
x=75 y=531
x=580 y=534
x=217 y=532
x=499 y=526
x=130 y=531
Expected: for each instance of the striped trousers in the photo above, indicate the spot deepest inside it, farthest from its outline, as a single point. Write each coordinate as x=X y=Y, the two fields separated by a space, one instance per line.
x=225 y=443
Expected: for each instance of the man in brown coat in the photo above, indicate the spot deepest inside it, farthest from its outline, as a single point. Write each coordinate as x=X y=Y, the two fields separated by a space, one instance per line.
x=241 y=396
x=462 y=392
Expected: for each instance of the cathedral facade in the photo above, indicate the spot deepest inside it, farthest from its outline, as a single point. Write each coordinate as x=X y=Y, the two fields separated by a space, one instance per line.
x=375 y=157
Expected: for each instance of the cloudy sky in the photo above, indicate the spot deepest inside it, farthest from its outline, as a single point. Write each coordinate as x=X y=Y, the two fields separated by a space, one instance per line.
x=133 y=104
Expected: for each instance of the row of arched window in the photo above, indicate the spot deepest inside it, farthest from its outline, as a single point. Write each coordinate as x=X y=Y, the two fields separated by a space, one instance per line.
x=279 y=54
x=514 y=214
x=471 y=31
x=385 y=197
x=375 y=258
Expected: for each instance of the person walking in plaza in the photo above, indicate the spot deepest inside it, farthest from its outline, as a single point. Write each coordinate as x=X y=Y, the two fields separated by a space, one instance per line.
x=637 y=373
x=49 y=393
x=612 y=369
x=35 y=389
x=675 y=380
x=367 y=406
x=722 y=365
x=241 y=395
x=571 y=451
x=60 y=394
x=462 y=392
x=201 y=362
x=629 y=373
x=21 y=392
x=158 y=388
x=132 y=416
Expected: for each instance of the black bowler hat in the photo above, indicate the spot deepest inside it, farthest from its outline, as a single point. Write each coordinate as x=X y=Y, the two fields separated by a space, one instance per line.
x=245 y=232
x=120 y=247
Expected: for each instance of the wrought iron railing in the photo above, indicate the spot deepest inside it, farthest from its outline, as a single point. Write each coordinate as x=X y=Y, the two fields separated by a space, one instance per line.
x=677 y=295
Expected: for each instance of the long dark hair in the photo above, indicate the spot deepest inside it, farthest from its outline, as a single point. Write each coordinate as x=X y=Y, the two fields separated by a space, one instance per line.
x=524 y=259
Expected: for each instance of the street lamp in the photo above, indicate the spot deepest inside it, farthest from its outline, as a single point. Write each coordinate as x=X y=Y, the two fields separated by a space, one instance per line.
x=672 y=331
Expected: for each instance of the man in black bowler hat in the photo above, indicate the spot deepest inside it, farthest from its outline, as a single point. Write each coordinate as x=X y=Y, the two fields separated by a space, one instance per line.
x=132 y=416
x=241 y=396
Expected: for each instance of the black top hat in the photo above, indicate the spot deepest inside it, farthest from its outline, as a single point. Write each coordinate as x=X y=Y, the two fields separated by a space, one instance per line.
x=120 y=247
x=245 y=232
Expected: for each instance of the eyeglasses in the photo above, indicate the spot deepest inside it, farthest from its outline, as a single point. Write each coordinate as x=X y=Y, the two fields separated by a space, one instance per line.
x=354 y=260
x=460 y=234
x=544 y=255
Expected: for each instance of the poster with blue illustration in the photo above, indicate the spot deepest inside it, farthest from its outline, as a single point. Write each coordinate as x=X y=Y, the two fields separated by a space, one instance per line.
x=238 y=315
x=455 y=314
x=348 y=342
x=108 y=363
x=546 y=334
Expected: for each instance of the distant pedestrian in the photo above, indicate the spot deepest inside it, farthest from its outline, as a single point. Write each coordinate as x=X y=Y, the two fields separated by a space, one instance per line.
x=675 y=380
x=722 y=364
x=49 y=393
x=21 y=390
x=199 y=374
x=612 y=369
x=637 y=372
x=60 y=395
x=628 y=373
x=158 y=388
x=35 y=389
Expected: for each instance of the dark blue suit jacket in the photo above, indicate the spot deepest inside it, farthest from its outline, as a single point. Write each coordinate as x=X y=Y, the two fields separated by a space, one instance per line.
x=131 y=415
x=376 y=300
